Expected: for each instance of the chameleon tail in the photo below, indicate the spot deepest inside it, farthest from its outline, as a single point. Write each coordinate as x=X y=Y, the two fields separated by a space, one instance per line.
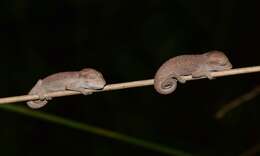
x=165 y=86
x=37 y=103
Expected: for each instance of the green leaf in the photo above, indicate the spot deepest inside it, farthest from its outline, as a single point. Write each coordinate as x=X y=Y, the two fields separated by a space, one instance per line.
x=94 y=130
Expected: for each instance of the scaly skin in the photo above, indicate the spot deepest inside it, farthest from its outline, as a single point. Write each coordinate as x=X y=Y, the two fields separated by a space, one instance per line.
x=87 y=78
x=165 y=81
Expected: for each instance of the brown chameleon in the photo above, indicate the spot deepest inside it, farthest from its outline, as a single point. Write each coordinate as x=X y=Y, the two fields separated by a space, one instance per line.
x=86 y=78
x=197 y=65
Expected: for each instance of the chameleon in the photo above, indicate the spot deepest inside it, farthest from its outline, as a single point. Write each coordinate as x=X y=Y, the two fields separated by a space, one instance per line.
x=197 y=65
x=86 y=78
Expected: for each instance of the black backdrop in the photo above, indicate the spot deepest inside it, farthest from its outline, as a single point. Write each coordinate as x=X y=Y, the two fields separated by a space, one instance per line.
x=126 y=41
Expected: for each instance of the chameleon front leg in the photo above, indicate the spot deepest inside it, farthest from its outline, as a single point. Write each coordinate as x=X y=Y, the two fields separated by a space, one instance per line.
x=76 y=87
x=201 y=72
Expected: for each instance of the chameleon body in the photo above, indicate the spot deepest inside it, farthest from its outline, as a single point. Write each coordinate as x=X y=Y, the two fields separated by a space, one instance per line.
x=197 y=65
x=86 y=78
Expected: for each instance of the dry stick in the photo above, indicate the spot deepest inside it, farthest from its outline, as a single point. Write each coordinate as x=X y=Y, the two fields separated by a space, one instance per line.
x=252 y=151
x=237 y=102
x=125 y=85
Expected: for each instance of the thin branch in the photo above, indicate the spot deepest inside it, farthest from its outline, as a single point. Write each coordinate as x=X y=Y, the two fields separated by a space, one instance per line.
x=237 y=102
x=125 y=85
x=252 y=151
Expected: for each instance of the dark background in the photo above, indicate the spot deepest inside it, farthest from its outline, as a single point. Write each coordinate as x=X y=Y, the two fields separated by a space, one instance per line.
x=127 y=41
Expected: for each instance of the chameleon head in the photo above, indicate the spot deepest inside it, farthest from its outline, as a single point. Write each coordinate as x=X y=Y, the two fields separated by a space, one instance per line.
x=217 y=60
x=92 y=78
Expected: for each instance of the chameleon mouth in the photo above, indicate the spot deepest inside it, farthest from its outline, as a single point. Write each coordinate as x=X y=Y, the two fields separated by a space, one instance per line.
x=228 y=65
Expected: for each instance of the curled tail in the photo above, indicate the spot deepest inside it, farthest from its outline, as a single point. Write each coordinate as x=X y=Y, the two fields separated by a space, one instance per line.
x=37 y=90
x=37 y=103
x=165 y=85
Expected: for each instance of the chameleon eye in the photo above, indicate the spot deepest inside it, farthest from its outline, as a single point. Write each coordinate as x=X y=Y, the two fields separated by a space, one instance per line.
x=218 y=61
x=223 y=62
